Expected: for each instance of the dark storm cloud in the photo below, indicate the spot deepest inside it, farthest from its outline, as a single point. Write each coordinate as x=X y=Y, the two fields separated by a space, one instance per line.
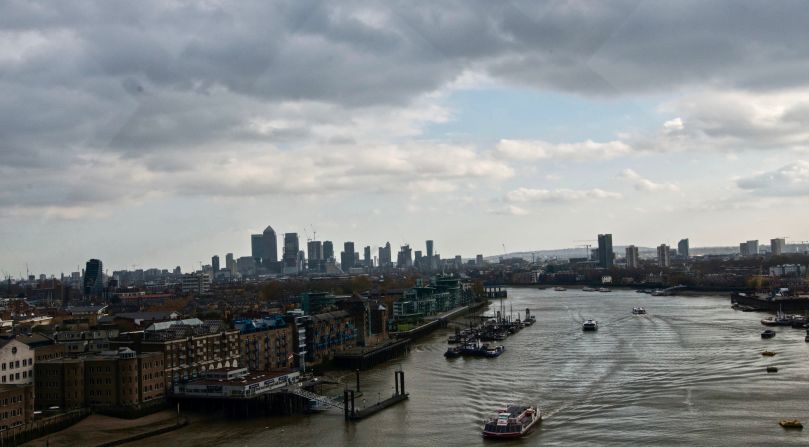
x=131 y=79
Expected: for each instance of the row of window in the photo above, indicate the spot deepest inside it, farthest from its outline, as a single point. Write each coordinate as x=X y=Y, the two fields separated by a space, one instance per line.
x=14 y=400
x=16 y=376
x=16 y=364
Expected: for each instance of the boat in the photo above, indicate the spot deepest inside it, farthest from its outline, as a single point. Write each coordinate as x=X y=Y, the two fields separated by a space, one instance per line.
x=780 y=319
x=453 y=352
x=768 y=333
x=638 y=311
x=495 y=351
x=589 y=325
x=604 y=289
x=791 y=423
x=559 y=289
x=772 y=369
x=514 y=421
x=588 y=289
x=768 y=353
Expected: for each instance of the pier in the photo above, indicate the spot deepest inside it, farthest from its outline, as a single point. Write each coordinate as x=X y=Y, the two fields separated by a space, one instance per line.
x=367 y=357
x=351 y=412
x=495 y=292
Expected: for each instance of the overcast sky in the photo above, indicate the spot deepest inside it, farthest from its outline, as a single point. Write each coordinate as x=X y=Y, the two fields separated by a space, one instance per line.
x=159 y=133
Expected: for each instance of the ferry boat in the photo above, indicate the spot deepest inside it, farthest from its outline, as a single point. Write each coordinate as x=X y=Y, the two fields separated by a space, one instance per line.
x=638 y=311
x=590 y=325
x=513 y=421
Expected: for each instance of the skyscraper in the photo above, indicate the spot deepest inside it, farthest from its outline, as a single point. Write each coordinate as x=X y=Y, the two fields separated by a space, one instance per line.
x=257 y=247
x=291 y=249
x=314 y=250
x=93 y=278
x=430 y=253
x=230 y=264
x=328 y=250
x=605 y=255
x=385 y=256
x=663 y=256
x=405 y=258
x=270 y=245
x=777 y=246
x=682 y=248
x=632 y=258
x=418 y=262
x=215 y=263
x=347 y=256
x=369 y=263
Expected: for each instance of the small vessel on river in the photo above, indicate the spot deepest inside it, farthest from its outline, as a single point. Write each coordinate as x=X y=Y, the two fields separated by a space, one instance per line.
x=511 y=422
x=768 y=333
x=589 y=325
x=638 y=311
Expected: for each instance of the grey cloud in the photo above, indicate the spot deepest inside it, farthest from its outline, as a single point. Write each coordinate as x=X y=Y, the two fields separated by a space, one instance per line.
x=789 y=180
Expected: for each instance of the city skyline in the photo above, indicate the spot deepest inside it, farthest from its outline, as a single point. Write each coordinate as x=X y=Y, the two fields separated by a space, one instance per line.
x=516 y=124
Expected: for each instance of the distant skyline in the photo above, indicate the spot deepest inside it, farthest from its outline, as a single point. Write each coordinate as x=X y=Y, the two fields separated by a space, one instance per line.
x=162 y=133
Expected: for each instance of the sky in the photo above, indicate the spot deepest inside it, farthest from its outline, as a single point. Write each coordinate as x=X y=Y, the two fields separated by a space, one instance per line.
x=159 y=133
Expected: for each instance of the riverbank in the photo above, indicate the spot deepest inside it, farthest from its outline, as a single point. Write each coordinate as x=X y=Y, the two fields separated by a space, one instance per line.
x=98 y=430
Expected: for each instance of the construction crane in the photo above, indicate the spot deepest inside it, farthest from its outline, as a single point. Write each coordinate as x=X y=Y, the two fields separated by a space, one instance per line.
x=586 y=246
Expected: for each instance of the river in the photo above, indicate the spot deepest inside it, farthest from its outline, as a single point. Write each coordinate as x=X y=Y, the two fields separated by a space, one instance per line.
x=690 y=372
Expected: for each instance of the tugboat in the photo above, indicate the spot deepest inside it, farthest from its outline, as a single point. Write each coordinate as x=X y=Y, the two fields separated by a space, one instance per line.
x=590 y=325
x=768 y=333
x=638 y=311
x=511 y=422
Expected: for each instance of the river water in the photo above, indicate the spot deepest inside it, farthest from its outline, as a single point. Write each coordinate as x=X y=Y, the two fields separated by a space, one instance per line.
x=690 y=372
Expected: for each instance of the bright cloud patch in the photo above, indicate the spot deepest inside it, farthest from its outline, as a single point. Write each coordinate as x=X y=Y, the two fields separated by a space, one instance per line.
x=644 y=184
x=523 y=195
x=583 y=151
x=791 y=179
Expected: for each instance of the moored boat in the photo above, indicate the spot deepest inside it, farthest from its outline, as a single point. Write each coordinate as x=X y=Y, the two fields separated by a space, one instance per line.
x=604 y=289
x=511 y=422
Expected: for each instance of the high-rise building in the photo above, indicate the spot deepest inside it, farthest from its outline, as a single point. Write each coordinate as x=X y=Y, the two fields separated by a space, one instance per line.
x=749 y=248
x=94 y=278
x=314 y=250
x=418 y=262
x=605 y=255
x=369 y=263
x=215 y=263
x=632 y=258
x=405 y=258
x=230 y=264
x=385 y=256
x=430 y=254
x=777 y=246
x=663 y=256
x=291 y=249
x=479 y=260
x=257 y=247
x=328 y=250
x=269 y=242
x=347 y=256
x=682 y=248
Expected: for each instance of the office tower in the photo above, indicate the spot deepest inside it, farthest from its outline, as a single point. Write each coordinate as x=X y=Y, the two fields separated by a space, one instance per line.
x=777 y=246
x=663 y=256
x=93 y=278
x=328 y=250
x=369 y=263
x=215 y=263
x=405 y=258
x=749 y=248
x=430 y=254
x=385 y=256
x=270 y=245
x=605 y=254
x=417 y=260
x=458 y=261
x=632 y=258
x=682 y=248
x=347 y=256
x=257 y=247
x=290 y=257
x=479 y=260
x=230 y=264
